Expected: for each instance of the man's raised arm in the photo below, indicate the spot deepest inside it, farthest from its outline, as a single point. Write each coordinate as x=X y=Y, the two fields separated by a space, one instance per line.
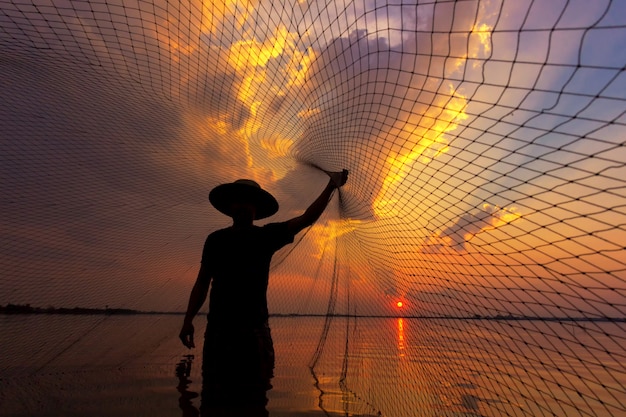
x=315 y=210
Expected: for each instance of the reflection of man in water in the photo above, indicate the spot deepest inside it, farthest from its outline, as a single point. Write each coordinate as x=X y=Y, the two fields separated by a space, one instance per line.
x=238 y=357
x=183 y=372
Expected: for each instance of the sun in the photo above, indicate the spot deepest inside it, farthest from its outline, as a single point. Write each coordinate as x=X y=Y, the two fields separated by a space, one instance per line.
x=399 y=304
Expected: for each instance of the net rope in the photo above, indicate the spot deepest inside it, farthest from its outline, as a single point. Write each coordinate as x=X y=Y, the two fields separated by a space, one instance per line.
x=486 y=147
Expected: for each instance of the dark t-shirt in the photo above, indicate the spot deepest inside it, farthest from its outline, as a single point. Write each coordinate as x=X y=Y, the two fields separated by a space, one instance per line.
x=238 y=260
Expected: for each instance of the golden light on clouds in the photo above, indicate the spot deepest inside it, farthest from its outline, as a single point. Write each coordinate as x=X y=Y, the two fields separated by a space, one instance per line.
x=214 y=12
x=482 y=48
x=454 y=237
x=440 y=110
x=176 y=46
x=324 y=234
x=308 y=113
x=430 y=144
x=277 y=146
x=496 y=217
x=299 y=66
x=248 y=90
x=226 y=141
x=502 y=215
x=176 y=49
x=250 y=59
x=478 y=49
x=483 y=32
x=251 y=53
x=220 y=126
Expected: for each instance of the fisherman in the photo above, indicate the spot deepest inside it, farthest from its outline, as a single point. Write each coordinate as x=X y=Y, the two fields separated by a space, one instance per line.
x=238 y=354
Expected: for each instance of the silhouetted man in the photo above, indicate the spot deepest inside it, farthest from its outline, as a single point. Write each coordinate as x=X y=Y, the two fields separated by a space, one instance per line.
x=238 y=354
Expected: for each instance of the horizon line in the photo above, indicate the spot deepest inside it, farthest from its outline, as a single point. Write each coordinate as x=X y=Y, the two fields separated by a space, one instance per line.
x=10 y=309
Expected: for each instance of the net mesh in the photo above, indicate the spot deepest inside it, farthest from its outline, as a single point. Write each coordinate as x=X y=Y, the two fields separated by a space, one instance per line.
x=485 y=144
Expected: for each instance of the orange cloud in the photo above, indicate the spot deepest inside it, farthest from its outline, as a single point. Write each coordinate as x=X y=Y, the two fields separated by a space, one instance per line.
x=214 y=12
x=308 y=113
x=277 y=146
x=502 y=215
x=324 y=234
x=483 y=33
x=469 y=225
x=266 y=66
x=429 y=143
x=248 y=54
x=299 y=66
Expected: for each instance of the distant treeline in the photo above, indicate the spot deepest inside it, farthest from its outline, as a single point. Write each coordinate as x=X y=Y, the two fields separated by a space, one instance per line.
x=502 y=317
x=28 y=309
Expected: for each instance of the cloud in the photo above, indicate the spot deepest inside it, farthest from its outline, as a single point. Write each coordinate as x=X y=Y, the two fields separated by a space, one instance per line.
x=325 y=234
x=364 y=93
x=277 y=146
x=459 y=234
x=117 y=121
x=96 y=172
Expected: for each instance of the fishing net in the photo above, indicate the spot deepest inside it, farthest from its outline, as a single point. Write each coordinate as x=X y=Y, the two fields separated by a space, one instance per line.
x=485 y=206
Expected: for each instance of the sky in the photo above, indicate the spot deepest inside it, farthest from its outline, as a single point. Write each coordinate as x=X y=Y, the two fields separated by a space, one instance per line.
x=484 y=140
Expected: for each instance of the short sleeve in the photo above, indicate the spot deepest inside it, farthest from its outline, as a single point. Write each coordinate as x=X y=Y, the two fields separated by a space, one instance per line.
x=278 y=235
x=208 y=249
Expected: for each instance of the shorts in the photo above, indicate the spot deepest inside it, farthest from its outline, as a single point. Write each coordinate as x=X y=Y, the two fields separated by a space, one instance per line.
x=237 y=366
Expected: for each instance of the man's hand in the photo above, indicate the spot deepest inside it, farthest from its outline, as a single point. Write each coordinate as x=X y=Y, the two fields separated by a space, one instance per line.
x=186 y=335
x=338 y=178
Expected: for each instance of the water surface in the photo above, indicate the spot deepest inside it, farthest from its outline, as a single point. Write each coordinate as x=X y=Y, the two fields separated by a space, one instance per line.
x=54 y=365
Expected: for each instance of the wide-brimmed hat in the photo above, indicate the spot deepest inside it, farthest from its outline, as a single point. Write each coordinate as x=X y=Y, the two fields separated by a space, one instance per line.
x=224 y=195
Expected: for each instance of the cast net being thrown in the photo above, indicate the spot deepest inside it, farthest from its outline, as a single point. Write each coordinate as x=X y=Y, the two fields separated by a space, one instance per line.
x=487 y=192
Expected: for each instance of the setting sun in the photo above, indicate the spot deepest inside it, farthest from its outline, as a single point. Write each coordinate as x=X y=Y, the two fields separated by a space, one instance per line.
x=399 y=304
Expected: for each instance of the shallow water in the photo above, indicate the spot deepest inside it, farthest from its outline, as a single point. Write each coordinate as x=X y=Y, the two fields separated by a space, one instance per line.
x=135 y=366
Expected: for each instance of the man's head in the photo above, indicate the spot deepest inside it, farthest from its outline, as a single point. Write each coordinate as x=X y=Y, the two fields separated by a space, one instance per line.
x=243 y=198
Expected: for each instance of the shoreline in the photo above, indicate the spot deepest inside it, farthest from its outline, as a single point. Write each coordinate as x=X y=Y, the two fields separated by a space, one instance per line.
x=14 y=309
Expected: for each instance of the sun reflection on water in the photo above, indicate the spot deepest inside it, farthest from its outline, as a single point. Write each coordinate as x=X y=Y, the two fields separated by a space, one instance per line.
x=401 y=346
